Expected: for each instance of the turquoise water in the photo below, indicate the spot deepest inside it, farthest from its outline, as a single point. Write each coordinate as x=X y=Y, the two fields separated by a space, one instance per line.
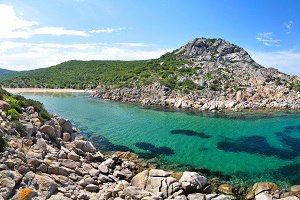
x=247 y=147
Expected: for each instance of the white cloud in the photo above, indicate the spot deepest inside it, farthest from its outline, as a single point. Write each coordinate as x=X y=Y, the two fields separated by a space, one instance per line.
x=267 y=39
x=13 y=26
x=107 y=30
x=286 y=61
x=25 y=56
x=289 y=26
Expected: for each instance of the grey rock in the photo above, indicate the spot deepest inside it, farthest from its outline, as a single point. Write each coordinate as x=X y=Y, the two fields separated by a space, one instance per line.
x=73 y=156
x=49 y=130
x=66 y=136
x=159 y=173
x=140 y=180
x=192 y=182
x=93 y=172
x=221 y=197
x=196 y=196
x=85 y=146
x=70 y=163
x=103 y=168
x=92 y=188
x=136 y=193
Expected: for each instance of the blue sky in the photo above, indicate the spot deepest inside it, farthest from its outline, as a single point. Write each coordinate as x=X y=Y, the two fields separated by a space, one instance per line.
x=35 y=34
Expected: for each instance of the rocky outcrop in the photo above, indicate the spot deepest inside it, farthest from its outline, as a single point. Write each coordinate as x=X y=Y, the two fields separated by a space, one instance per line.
x=224 y=77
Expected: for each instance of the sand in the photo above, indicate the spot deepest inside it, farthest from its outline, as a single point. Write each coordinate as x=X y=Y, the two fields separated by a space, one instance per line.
x=38 y=90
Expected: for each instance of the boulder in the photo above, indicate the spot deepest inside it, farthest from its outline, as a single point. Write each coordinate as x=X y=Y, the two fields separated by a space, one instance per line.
x=221 y=197
x=46 y=186
x=49 y=130
x=264 y=196
x=85 y=146
x=295 y=189
x=103 y=168
x=66 y=136
x=196 y=196
x=133 y=192
x=92 y=188
x=290 y=198
x=192 y=182
x=70 y=164
x=73 y=156
x=159 y=173
x=226 y=189
x=94 y=172
x=8 y=180
x=67 y=126
x=140 y=180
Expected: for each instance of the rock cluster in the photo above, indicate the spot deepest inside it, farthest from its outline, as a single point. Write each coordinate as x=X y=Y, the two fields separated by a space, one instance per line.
x=48 y=161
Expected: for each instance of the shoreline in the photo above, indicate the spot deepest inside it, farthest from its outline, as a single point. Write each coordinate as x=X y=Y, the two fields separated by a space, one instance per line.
x=46 y=90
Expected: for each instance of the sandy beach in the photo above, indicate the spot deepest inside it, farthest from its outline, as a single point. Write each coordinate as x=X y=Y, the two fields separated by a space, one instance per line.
x=24 y=90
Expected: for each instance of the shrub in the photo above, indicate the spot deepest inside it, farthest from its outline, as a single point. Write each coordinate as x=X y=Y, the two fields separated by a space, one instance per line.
x=278 y=83
x=16 y=106
x=3 y=144
x=14 y=114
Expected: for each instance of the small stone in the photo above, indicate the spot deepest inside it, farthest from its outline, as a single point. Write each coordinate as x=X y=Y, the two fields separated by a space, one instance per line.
x=226 y=189
x=94 y=173
x=103 y=168
x=196 y=196
x=66 y=136
x=73 y=156
x=92 y=188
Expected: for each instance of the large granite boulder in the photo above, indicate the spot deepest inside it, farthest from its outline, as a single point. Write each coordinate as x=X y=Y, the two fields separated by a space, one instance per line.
x=192 y=182
x=49 y=130
x=85 y=146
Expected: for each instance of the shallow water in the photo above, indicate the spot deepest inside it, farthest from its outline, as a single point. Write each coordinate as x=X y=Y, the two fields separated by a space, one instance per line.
x=250 y=147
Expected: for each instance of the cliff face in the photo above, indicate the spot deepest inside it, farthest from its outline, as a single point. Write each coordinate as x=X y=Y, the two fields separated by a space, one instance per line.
x=218 y=75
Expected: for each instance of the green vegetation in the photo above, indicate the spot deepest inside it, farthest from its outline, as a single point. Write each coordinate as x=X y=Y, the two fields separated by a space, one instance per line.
x=18 y=103
x=109 y=74
x=14 y=114
x=6 y=74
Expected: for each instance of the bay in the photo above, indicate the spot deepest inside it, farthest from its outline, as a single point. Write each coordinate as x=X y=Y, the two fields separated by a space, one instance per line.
x=245 y=147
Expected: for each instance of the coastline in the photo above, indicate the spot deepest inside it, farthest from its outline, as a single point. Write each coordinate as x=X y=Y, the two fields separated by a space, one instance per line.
x=67 y=166
x=46 y=90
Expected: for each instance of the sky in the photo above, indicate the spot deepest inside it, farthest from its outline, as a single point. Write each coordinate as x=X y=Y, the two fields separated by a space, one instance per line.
x=38 y=34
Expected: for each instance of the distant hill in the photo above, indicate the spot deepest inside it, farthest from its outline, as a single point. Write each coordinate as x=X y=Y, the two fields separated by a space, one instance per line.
x=202 y=64
x=6 y=74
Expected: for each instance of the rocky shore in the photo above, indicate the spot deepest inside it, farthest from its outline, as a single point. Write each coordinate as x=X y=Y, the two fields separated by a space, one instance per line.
x=254 y=98
x=47 y=160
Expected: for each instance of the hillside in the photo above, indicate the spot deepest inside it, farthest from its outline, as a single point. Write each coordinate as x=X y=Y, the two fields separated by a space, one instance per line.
x=202 y=63
x=6 y=74
x=210 y=69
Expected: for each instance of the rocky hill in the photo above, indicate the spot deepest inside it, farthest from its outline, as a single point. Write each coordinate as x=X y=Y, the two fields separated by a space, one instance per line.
x=217 y=75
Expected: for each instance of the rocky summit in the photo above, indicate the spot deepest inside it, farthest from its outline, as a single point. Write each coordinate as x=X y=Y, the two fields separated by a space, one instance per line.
x=217 y=75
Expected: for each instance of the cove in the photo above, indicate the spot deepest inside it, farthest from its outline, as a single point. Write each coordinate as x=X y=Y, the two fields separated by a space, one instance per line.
x=248 y=147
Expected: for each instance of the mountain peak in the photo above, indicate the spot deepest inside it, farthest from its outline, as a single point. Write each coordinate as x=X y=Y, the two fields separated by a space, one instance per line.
x=214 y=50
